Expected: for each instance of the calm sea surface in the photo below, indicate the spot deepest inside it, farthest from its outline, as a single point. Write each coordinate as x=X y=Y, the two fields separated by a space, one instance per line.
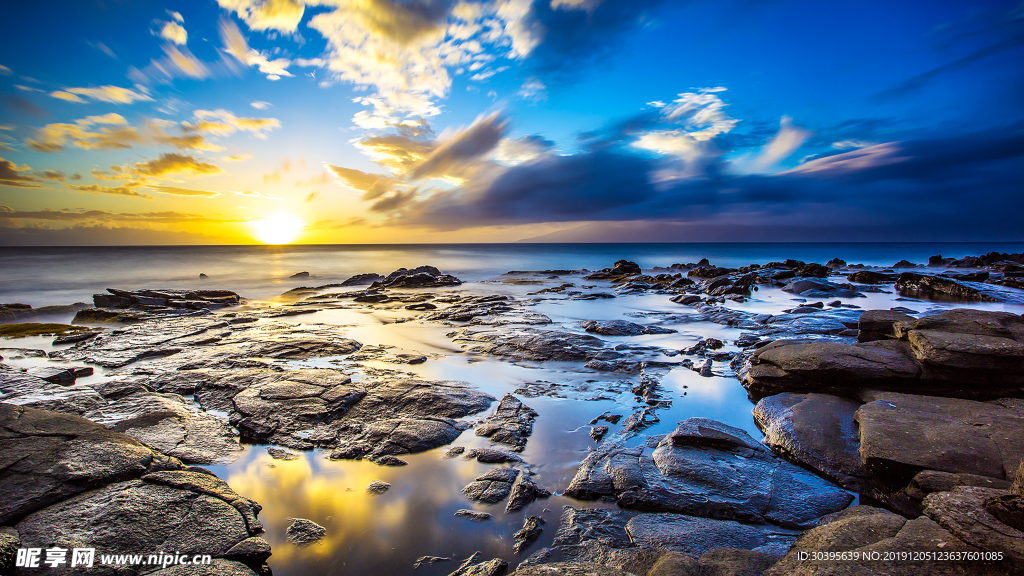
x=49 y=275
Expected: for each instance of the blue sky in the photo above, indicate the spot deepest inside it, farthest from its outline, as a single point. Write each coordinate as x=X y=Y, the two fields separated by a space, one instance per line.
x=131 y=122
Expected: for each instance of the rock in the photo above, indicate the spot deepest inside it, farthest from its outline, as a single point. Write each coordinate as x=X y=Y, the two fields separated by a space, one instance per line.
x=251 y=551
x=734 y=562
x=528 y=534
x=303 y=349
x=473 y=515
x=964 y=513
x=621 y=328
x=869 y=277
x=708 y=469
x=511 y=423
x=947 y=354
x=686 y=299
x=23 y=389
x=817 y=288
x=879 y=324
x=388 y=460
x=421 y=306
x=362 y=279
x=901 y=434
x=217 y=567
x=492 y=487
x=569 y=569
x=864 y=530
x=282 y=454
x=429 y=561
x=936 y=287
x=904 y=264
x=422 y=277
x=524 y=491
x=473 y=567
x=378 y=487
x=816 y=431
x=299 y=275
x=532 y=344
x=492 y=456
x=598 y=432
x=302 y=532
x=166 y=298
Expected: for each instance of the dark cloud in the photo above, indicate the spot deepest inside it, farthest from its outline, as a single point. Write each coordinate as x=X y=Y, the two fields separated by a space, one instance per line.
x=968 y=182
x=12 y=175
x=465 y=146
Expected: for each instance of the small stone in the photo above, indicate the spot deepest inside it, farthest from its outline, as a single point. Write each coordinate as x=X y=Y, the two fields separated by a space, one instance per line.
x=281 y=454
x=302 y=532
x=473 y=515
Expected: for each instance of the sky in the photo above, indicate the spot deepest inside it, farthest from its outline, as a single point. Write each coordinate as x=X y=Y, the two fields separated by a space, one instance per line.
x=406 y=121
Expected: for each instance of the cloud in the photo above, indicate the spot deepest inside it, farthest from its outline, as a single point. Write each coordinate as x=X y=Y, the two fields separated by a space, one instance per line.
x=260 y=105
x=11 y=175
x=236 y=45
x=249 y=193
x=533 y=89
x=174 y=32
x=371 y=185
x=175 y=191
x=236 y=157
x=5 y=71
x=53 y=137
x=52 y=174
x=169 y=163
x=182 y=63
x=221 y=122
x=99 y=235
x=782 y=145
x=283 y=15
x=113 y=94
x=516 y=151
x=97 y=216
x=851 y=162
x=454 y=154
x=125 y=190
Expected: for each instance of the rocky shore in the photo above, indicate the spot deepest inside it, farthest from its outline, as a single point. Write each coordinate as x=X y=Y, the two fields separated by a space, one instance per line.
x=917 y=413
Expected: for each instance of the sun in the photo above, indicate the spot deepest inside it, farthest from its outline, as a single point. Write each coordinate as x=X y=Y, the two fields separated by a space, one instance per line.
x=278 y=229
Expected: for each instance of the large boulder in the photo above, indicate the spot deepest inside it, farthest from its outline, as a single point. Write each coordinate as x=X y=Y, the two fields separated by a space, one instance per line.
x=949 y=289
x=965 y=513
x=708 y=469
x=961 y=353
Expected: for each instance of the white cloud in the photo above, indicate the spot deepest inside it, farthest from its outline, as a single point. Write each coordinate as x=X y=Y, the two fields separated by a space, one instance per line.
x=782 y=145
x=533 y=89
x=236 y=45
x=260 y=105
x=174 y=32
x=283 y=15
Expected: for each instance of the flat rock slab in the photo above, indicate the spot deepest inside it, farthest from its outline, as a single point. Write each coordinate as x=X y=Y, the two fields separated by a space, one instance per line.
x=622 y=328
x=708 y=469
x=817 y=431
x=901 y=434
x=531 y=344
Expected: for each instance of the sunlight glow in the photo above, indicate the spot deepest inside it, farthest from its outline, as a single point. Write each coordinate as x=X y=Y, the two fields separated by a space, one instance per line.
x=277 y=229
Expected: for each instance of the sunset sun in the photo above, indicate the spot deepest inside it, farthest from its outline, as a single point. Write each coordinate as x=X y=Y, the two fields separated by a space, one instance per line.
x=277 y=229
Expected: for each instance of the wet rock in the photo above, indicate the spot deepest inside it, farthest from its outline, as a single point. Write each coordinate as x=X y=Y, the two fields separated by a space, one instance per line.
x=217 y=567
x=619 y=272
x=492 y=487
x=511 y=423
x=279 y=407
x=734 y=562
x=686 y=299
x=708 y=469
x=816 y=431
x=524 y=491
x=166 y=298
x=528 y=534
x=940 y=288
x=421 y=277
x=378 y=487
x=303 y=349
x=531 y=344
x=299 y=275
x=429 y=561
x=622 y=328
x=865 y=530
x=421 y=306
x=880 y=324
x=23 y=389
x=869 y=277
x=473 y=515
x=388 y=460
x=569 y=569
x=598 y=432
x=144 y=340
x=901 y=434
x=819 y=288
x=964 y=513
x=472 y=566
x=399 y=436
x=492 y=456
x=302 y=532
x=362 y=279
x=282 y=454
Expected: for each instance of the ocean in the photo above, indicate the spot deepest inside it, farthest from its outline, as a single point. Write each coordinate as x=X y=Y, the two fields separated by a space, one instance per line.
x=41 y=276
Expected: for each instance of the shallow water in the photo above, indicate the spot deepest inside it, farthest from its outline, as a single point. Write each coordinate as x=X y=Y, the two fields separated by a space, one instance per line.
x=385 y=534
